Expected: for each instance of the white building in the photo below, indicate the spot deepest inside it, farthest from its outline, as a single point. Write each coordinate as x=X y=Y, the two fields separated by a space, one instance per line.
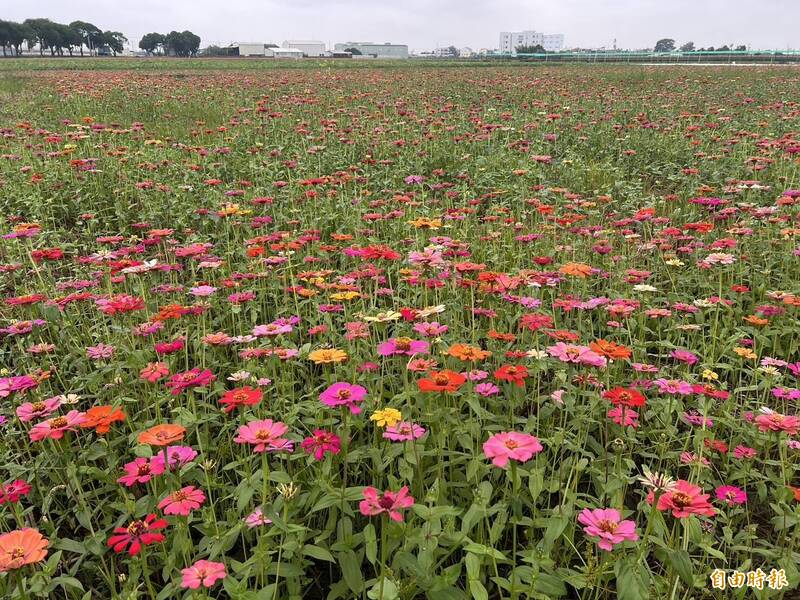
x=466 y=52
x=285 y=53
x=510 y=40
x=370 y=49
x=310 y=48
x=249 y=49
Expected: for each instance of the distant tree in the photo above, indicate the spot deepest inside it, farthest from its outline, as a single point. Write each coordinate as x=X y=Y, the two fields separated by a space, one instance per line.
x=184 y=43
x=537 y=49
x=5 y=35
x=89 y=34
x=353 y=51
x=741 y=48
x=452 y=51
x=44 y=33
x=115 y=41
x=688 y=47
x=665 y=45
x=19 y=33
x=152 y=43
x=724 y=48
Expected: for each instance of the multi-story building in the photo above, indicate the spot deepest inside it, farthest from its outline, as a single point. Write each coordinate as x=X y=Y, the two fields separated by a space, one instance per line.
x=374 y=50
x=511 y=40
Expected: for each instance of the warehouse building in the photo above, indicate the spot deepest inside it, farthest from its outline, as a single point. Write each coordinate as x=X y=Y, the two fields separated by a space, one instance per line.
x=370 y=49
x=511 y=40
x=312 y=49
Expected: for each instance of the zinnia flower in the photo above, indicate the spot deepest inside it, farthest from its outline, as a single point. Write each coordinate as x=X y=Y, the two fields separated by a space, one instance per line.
x=100 y=418
x=56 y=427
x=203 y=572
x=441 y=381
x=162 y=435
x=511 y=445
x=320 y=442
x=404 y=432
x=344 y=394
x=182 y=502
x=731 y=495
x=605 y=524
x=265 y=436
x=388 y=502
x=21 y=547
x=685 y=500
x=137 y=534
x=404 y=346
x=244 y=396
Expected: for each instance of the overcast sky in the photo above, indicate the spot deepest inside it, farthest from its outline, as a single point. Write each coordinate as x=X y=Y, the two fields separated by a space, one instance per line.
x=425 y=24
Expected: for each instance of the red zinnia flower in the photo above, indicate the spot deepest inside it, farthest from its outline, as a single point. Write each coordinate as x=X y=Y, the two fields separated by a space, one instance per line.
x=514 y=374
x=245 y=396
x=629 y=397
x=139 y=533
x=441 y=381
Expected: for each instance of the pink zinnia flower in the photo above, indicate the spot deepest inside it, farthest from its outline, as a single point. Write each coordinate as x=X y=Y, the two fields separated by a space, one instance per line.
x=685 y=500
x=344 y=394
x=772 y=421
x=182 y=502
x=513 y=445
x=177 y=456
x=56 y=427
x=256 y=518
x=141 y=470
x=202 y=291
x=673 y=386
x=154 y=371
x=487 y=389
x=631 y=416
x=605 y=523
x=404 y=346
x=265 y=436
x=203 y=572
x=320 y=442
x=744 y=452
x=685 y=356
x=432 y=329
x=572 y=353
x=389 y=502
x=100 y=352
x=403 y=432
x=731 y=495
x=13 y=491
x=29 y=411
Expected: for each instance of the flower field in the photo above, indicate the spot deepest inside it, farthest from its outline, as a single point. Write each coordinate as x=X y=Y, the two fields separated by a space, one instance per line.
x=399 y=333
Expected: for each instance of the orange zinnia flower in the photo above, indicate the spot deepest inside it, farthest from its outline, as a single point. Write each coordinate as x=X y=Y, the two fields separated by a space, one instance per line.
x=21 y=547
x=100 y=418
x=162 y=435
x=441 y=381
x=610 y=350
x=468 y=353
x=576 y=270
x=327 y=355
x=756 y=321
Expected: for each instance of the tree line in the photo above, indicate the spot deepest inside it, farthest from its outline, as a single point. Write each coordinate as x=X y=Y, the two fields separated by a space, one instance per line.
x=58 y=37
x=668 y=45
x=177 y=43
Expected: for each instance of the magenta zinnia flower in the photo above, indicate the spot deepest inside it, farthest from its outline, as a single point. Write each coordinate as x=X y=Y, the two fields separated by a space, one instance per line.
x=730 y=494
x=389 y=502
x=141 y=470
x=572 y=353
x=605 y=523
x=344 y=394
x=188 y=379
x=511 y=445
x=320 y=442
x=265 y=436
x=404 y=346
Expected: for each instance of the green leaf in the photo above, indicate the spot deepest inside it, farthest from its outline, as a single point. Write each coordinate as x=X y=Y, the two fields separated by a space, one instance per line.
x=680 y=561
x=318 y=553
x=632 y=580
x=370 y=543
x=351 y=570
